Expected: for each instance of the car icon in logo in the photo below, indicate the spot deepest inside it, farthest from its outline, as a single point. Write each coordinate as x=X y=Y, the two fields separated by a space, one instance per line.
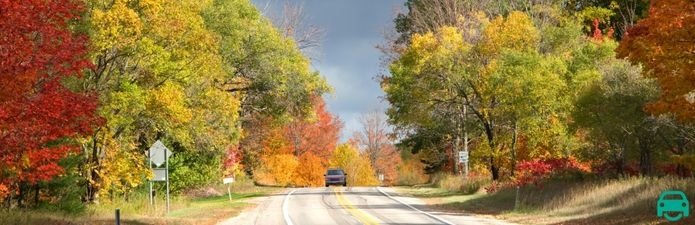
x=672 y=202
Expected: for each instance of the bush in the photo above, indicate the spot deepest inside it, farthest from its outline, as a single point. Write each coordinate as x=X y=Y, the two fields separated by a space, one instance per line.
x=64 y=192
x=277 y=170
x=411 y=172
x=190 y=170
x=535 y=171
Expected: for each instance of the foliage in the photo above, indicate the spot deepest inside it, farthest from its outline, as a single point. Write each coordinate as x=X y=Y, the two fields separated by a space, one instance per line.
x=611 y=110
x=39 y=115
x=535 y=171
x=516 y=83
x=278 y=169
x=375 y=141
x=311 y=171
x=411 y=172
x=357 y=166
x=60 y=194
x=663 y=44
x=190 y=170
x=317 y=134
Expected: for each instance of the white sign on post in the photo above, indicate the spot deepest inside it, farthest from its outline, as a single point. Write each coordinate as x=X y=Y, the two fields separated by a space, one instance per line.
x=463 y=156
x=158 y=152
x=160 y=174
x=228 y=181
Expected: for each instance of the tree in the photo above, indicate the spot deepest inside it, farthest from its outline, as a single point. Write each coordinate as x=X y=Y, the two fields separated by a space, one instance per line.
x=293 y=23
x=509 y=81
x=311 y=171
x=317 y=134
x=663 y=43
x=264 y=69
x=358 y=168
x=374 y=141
x=612 y=110
x=154 y=83
x=39 y=117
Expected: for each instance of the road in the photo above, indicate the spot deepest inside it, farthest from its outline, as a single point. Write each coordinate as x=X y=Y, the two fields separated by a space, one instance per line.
x=347 y=206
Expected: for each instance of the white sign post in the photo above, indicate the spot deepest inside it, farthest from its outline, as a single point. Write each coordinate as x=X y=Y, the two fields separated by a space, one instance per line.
x=228 y=181
x=463 y=158
x=158 y=155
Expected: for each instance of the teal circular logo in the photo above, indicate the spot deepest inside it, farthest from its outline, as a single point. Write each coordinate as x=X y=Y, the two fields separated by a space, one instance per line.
x=672 y=205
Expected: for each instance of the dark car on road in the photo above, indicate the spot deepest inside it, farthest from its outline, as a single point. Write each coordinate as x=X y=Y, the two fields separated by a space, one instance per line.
x=336 y=177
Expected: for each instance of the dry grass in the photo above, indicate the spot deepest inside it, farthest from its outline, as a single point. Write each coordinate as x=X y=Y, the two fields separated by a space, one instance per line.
x=620 y=201
x=452 y=183
x=136 y=211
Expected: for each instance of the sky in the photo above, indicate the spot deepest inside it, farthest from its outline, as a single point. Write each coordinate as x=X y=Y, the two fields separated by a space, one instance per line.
x=347 y=57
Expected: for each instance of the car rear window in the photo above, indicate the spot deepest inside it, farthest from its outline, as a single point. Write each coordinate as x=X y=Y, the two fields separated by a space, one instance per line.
x=335 y=172
x=673 y=197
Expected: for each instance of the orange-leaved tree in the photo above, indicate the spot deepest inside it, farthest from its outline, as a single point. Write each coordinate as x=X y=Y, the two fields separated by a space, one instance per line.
x=318 y=134
x=664 y=43
x=310 y=171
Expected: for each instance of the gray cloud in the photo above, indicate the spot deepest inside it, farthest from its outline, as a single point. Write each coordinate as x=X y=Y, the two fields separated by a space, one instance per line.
x=348 y=57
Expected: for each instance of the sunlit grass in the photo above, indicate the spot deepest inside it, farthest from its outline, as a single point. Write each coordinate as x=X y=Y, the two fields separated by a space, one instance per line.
x=605 y=201
x=137 y=210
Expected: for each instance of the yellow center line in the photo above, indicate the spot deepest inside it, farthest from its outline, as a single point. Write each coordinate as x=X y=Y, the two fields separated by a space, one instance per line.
x=360 y=215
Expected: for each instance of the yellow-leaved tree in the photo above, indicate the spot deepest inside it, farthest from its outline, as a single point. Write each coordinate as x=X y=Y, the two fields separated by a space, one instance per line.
x=357 y=166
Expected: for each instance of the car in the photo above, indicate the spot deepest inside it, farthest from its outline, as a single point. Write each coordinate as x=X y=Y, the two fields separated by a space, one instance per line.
x=336 y=176
x=672 y=202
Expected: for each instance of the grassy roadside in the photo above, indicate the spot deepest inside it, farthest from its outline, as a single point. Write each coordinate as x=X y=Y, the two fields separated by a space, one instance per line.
x=184 y=210
x=614 y=202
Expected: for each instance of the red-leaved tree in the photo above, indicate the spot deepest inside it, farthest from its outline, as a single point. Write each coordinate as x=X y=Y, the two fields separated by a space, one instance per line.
x=38 y=115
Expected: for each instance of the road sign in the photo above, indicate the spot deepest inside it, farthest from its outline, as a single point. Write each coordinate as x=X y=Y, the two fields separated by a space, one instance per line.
x=160 y=174
x=228 y=180
x=159 y=153
x=463 y=156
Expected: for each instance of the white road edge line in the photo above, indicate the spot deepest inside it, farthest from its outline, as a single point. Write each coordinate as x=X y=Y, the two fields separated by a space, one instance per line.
x=409 y=206
x=285 y=214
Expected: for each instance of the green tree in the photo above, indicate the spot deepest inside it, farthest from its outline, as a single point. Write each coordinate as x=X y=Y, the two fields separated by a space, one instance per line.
x=612 y=110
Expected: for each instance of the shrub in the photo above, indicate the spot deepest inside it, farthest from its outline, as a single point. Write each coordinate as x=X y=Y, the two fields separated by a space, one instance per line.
x=411 y=172
x=535 y=171
x=191 y=170
x=277 y=170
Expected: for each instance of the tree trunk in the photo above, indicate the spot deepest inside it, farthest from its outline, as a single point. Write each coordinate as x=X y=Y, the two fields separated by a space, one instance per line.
x=37 y=191
x=645 y=157
x=20 y=195
x=494 y=169
x=93 y=165
x=513 y=148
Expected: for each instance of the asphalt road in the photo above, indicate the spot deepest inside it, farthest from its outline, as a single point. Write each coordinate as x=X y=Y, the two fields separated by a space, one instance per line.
x=347 y=206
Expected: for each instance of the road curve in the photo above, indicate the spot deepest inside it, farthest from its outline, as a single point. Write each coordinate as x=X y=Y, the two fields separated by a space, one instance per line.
x=347 y=206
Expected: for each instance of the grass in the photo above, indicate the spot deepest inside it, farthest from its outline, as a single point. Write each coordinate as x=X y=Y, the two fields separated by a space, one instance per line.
x=185 y=210
x=619 y=201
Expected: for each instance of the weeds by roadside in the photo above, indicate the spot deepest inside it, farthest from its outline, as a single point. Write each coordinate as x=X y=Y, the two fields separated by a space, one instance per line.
x=629 y=200
x=185 y=209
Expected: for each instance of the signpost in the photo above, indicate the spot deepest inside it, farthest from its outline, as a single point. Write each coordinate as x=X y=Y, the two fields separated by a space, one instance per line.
x=158 y=155
x=463 y=158
x=228 y=181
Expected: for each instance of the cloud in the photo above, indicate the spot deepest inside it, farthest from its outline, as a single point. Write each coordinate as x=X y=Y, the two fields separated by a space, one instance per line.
x=348 y=57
